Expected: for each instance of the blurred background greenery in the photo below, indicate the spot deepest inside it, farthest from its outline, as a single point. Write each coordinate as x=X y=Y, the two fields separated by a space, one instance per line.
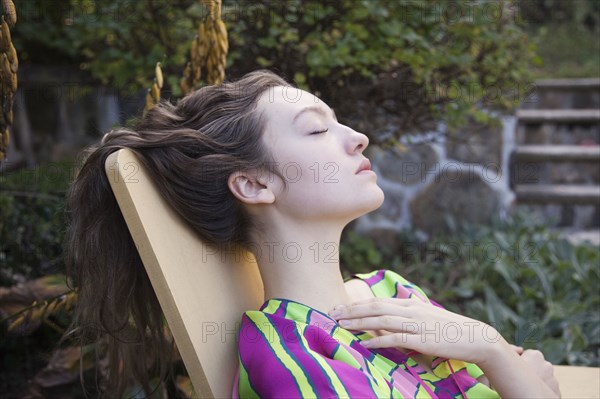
x=538 y=289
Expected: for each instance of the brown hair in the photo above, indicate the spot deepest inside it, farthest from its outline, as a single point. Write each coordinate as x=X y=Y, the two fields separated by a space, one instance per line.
x=190 y=149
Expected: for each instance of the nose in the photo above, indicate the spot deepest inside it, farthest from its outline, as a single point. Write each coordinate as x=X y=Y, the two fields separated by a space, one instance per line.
x=358 y=142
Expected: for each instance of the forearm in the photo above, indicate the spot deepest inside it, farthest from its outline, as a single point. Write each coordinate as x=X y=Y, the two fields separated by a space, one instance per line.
x=512 y=377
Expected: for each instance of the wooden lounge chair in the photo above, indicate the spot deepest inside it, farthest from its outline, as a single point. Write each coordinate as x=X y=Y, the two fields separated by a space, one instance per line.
x=204 y=293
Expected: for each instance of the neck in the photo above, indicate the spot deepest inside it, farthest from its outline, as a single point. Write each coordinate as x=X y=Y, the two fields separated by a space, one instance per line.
x=301 y=263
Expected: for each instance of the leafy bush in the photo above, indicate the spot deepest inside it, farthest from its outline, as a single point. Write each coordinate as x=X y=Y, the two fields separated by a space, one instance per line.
x=32 y=221
x=566 y=35
x=537 y=289
x=419 y=60
x=31 y=234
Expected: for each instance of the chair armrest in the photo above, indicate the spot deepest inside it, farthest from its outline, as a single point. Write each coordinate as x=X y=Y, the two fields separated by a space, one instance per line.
x=578 y=382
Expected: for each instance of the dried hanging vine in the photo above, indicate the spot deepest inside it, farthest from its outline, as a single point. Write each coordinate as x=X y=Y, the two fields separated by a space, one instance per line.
x=9 y=65
x=209 y=50
x=153 y=95
x=39 y=312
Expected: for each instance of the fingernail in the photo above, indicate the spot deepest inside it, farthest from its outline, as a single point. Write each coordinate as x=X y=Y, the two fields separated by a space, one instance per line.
x=345 y=323
x=365 y=343
x=335 y=313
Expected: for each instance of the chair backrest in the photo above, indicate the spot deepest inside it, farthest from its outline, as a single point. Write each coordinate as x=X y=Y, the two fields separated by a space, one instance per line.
x=202 y=293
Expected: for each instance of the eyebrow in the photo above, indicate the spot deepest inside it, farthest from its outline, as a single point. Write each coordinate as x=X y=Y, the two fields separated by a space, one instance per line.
x=316 y=109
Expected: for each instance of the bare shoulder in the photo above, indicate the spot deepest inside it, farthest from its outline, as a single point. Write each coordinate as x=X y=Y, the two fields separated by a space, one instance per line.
x=358 y=290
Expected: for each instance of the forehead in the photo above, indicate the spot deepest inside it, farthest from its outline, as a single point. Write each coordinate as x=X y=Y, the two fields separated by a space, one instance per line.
x=283 y=103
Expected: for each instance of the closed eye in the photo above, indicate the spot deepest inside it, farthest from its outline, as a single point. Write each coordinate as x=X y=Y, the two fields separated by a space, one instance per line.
x=319 y=131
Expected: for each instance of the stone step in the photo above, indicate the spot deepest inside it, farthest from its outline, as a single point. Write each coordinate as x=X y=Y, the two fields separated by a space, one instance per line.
x=558 y=134
x=578 y=116
x=562 y=94
x=568 y=84
x=559 y=153
x=558 y=193
x=591 y=237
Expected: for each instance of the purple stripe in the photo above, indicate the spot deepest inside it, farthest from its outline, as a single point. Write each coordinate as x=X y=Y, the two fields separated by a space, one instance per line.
x=236 y=382
x=349 y=376
x=447 y=388
x=414 y=373
x=375 y=278
x=262 y=365
x=318 y=320
x=393 y=354
x=405 y=382
x=437 y=361
x=281 y=309
x=465 y=380
x=356 y=382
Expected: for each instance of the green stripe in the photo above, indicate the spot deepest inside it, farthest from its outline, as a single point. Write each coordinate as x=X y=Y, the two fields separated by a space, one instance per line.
x=302 y=312
x=334 y=380
x=287 y=358
x=266 y=322
x=474 y=370
x=342 y=354
x=381 y=381
x=272 y=306
x=482 y=391
x=245 y=386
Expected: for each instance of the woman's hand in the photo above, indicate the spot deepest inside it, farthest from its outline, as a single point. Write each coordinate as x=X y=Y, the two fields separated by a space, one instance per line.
x=419 y=326
x=543 y=368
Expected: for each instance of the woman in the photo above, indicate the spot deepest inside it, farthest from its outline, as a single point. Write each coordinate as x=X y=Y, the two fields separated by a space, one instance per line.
x=261 y=164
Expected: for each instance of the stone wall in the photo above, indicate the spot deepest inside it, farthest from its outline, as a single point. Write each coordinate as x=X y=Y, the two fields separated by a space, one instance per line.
x=468 y=176
x=441 y=183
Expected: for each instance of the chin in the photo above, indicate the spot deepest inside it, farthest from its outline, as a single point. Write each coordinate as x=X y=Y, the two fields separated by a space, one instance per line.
x=374 y=203
x=379 y=201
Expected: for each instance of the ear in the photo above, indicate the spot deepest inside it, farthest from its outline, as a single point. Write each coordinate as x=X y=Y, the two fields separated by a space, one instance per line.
x=250 y=187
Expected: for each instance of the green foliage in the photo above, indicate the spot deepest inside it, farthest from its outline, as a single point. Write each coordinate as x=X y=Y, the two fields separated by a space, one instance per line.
x=454 y=58
x=566 y=35
x=537 y=289
x=565 y=56
x=391 y=52
x=118 y=41
x=359 y=254
x=32 y=221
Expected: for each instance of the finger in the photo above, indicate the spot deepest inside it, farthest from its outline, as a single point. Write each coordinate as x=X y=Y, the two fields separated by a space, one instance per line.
x=403 y=340
x=517 y=349
x=369 y=301
x=372 y=308
x=396 y=301
x=533 y=354
x=555 y=387
x=385 y=322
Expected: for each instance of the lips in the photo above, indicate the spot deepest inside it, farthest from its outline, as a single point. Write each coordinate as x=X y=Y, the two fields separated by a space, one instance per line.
x=364 y=165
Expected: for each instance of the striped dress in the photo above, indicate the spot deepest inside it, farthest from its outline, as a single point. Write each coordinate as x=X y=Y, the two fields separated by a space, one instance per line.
x=289 y=350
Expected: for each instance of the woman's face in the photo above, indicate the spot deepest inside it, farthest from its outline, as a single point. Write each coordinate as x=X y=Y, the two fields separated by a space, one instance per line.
x=318 y=157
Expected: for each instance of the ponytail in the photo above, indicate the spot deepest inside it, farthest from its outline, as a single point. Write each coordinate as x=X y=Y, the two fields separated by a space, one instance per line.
x=190 y=149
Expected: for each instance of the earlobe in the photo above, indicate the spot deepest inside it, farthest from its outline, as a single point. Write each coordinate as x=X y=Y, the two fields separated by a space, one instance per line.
x=249 y=189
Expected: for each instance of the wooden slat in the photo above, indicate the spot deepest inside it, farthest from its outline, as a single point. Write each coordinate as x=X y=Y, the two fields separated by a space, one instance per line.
x=578 y=382
x=202 y=292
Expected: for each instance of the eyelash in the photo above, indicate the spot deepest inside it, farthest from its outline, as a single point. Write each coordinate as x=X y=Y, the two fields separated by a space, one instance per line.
x=319 y=132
